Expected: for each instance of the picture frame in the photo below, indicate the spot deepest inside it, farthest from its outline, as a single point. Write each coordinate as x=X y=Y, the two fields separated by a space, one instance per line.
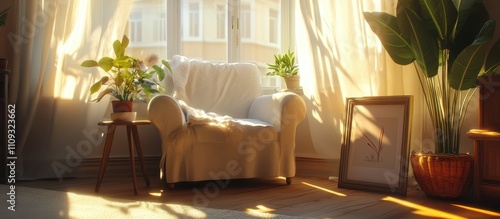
x=375 y=145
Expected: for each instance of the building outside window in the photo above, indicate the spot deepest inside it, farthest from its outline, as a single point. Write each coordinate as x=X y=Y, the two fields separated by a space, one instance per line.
x=204 y=30
x=221 y=21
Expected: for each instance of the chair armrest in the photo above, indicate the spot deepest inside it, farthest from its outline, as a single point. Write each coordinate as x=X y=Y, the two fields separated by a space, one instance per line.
x=278 y=109
x=285 y=111
x=166 y=114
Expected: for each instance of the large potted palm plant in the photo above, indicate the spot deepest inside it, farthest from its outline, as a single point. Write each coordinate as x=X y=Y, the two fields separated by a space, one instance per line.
x=449 y=43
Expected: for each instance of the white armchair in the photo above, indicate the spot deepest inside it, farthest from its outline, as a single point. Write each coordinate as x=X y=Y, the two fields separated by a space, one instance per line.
x=217 y=125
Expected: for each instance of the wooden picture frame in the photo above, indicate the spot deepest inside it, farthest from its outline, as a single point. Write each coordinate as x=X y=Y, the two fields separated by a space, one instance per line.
x=375 y=145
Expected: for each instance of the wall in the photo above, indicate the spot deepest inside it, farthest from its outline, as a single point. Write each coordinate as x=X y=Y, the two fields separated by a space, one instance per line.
x=320 y=135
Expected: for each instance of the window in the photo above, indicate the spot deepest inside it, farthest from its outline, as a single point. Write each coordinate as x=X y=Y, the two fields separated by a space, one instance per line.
x=212 y=30
x=135 y=26
x=246 y=22
x=193 y=19
x=273 y=26
x=221 y=22
x=160 y=30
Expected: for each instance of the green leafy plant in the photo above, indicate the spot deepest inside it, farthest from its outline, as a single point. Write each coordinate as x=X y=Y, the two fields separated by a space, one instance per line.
x=127 y=78
x=448 y=42
x=284 y=65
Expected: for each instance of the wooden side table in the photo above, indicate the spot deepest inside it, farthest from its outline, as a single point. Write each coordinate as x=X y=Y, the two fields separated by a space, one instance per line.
x=486 y=174
x=487 y=142
x=131 y=134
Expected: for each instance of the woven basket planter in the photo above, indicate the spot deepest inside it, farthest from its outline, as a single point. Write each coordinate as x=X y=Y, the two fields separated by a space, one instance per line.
x=441 y=175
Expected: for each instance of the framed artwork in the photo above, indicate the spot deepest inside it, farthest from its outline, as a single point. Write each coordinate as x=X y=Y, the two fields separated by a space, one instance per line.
x=375 y=146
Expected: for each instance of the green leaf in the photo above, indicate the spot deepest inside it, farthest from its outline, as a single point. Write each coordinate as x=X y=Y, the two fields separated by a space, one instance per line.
x=95 y=87
x=465 y=9
x=117 y=48
x=471 y=22
x=423 y=45
x=159 y=72
x=89 y=63
x=385 y=27
x=123 y=62
x=165 y=63
x=119 y=79
x=467 y=67
x=440 y=16
x=125 y=42
x=103 y=93
x=493 y=59
x=106 y=63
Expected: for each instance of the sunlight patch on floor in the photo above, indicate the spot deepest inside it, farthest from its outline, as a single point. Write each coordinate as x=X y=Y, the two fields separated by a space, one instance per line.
x=422 y=210
x=156 y=194
x=324 y=189
x=259 y=211
x=478 y=210
x=83 y=206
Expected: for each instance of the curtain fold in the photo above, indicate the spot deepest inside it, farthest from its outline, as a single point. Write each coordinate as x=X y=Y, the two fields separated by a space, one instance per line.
x=49 y=87
x=341 y=57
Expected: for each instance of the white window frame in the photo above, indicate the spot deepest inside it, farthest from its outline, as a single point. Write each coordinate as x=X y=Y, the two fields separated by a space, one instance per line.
x=174 y=8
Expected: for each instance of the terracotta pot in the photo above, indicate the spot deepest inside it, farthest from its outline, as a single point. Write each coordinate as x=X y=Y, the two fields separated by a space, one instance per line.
x=443 y=175
x=122 y=106
x=293 y=82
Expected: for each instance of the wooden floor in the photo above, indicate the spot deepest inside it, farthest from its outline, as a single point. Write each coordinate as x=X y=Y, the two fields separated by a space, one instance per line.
x=307 y=196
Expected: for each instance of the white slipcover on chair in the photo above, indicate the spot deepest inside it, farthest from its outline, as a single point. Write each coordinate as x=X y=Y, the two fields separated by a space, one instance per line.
x=216 y=124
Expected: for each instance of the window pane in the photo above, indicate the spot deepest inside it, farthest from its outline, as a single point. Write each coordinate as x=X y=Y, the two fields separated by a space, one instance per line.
x=194 y=17
x=273 y=26
x=245 y=21
x=263 y=25
x=203 y=36
x=147 y=29
x=221 y=21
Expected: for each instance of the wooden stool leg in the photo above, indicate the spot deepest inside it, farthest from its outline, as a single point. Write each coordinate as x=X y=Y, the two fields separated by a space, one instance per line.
x=132 y=157
x=137 y=143
x=105 y=155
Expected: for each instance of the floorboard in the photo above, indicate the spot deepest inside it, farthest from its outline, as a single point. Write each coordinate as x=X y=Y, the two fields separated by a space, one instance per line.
x=307 y=196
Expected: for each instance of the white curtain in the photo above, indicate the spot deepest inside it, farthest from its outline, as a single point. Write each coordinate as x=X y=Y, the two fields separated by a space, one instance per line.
x=341 y=57
x=55 y=127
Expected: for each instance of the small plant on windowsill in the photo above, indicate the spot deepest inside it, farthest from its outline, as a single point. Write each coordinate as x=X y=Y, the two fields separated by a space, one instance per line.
x=284 y=66
x=128 y=78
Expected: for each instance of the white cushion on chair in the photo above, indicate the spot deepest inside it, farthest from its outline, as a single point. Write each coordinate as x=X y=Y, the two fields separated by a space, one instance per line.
x=227 y=89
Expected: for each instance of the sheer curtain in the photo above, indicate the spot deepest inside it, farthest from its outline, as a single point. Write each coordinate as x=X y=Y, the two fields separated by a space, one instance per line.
x=55 y=127
x=340 y=57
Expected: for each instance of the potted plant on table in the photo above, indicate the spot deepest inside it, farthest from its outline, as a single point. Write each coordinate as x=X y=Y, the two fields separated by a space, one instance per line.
x=285 y=67
x=448 y=42
x=127 y=79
